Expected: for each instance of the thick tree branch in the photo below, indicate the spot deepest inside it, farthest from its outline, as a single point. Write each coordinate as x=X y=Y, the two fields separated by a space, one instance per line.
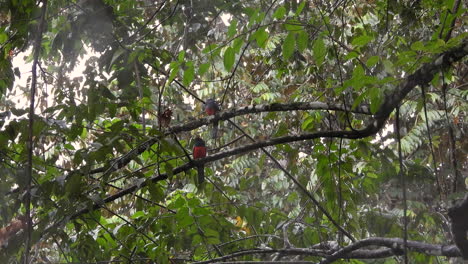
x=396 y=245
x=387 y=247
x=226 y=115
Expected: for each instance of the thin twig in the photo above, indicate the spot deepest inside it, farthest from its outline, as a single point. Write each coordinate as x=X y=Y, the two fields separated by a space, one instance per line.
x=30 y=145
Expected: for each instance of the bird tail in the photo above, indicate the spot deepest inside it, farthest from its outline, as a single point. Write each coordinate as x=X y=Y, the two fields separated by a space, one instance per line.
x=214 y=131
x=201 y=174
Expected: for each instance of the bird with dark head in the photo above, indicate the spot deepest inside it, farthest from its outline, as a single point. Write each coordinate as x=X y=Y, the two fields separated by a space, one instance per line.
x=211 y=108
x=199 y=151
x=165 y=118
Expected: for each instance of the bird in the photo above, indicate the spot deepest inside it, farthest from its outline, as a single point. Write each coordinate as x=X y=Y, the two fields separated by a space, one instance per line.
x=211 y=108
x=165 y=118
x=199 y=151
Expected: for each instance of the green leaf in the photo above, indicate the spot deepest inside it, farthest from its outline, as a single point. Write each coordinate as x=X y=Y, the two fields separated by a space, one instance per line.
x=138 y=214
x=308 y=123
x=372 y=61
x=210 y=232
x=3 y=37
x=196 y=240
x=261 y=36
x=375 y=99
x=232 y=29
x=358 y=72
x=213 y=240
x=229 y=57
x=174 y=66
x=288 y=46
x=181 y=56
x=260 y=88
x=417 y=46
x=361 y=40
x=293 y=25
x=203 y=68
x=302 y=40
x=189 y=74
x=300 y=7
x=319 y=51
x=183 y=218
x=358 y=100
x=351 y=55
x=280 y=12
x=237 y=45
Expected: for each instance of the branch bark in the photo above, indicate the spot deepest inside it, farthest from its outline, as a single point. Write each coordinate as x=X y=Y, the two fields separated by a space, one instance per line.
x=387 y=247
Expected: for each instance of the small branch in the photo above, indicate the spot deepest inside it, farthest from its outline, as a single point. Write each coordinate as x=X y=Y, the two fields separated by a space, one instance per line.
x=298 y=184
x=30 y=145
x=140 y=93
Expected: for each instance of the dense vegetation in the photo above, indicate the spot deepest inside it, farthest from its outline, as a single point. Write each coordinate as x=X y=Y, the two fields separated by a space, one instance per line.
x=341 y=136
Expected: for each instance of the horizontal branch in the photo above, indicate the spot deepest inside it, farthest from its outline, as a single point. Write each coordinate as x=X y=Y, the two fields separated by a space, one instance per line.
x=253 y=109
x=226 y=115
x=388 y=247
x=395 y=244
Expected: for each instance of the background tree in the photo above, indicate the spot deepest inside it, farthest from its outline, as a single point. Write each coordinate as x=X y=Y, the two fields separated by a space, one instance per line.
x=342 y=131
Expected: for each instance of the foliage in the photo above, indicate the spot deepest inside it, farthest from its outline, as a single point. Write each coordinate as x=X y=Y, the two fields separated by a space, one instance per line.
x=111 y=182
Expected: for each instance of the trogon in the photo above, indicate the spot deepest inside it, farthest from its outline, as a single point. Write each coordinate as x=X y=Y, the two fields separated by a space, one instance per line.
x=165 y=118
x=199 y=151
x=211 y=108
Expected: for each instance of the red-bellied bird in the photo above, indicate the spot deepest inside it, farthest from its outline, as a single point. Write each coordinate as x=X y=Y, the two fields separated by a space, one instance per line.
x=199 y=151
x=211 y=108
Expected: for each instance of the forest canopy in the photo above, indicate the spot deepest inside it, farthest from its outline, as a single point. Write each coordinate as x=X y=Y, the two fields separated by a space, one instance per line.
x=176 y=131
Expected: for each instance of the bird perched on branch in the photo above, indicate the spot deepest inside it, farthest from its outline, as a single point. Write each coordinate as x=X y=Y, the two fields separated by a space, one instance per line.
x=199 y=151
x=211 y=108
x=165 y=118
